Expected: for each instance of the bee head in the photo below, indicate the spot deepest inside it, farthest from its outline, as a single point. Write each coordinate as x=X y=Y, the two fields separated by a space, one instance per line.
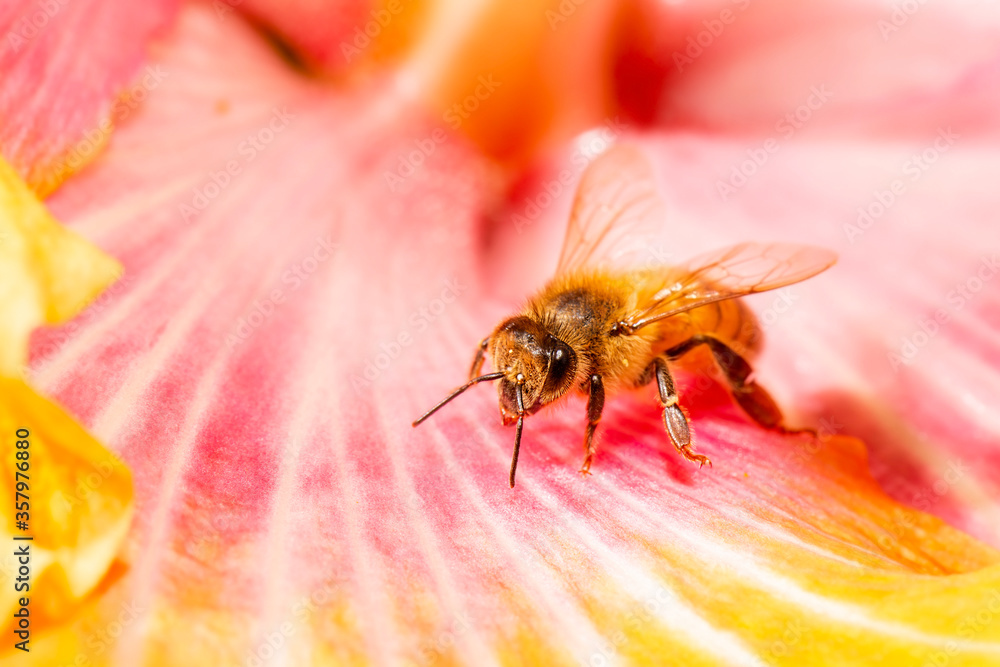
x=529 y=355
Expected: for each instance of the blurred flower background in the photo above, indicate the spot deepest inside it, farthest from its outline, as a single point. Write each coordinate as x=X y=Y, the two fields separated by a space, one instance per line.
x=270 y=234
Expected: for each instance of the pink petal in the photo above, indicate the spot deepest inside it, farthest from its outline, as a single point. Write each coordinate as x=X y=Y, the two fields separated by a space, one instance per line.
x=511 y=97
x=856 y=68
x=327 y=33
x=63 y=63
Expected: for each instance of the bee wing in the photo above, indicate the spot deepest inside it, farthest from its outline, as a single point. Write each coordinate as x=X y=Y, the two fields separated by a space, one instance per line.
x=731 y=272
x=616 y=204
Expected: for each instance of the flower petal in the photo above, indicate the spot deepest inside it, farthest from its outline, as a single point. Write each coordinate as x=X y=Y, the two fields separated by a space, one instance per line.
x=515 y=97
x=335 y=35
x=63 y=64
x=294 y=306
x=510 y=96
x=842 y=68
x=80 y=506
x=60 y=488
x=49 y=272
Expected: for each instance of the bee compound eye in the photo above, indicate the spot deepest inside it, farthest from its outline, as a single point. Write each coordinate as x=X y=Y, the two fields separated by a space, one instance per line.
x=560 y=366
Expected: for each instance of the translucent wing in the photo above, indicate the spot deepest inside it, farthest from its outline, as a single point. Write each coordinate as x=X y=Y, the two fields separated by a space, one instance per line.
x=617 y=207
x=732 y=272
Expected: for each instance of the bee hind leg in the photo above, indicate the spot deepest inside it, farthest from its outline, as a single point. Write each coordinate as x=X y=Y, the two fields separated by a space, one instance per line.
x=674 y=419
x=595 y=406
x=751 y=397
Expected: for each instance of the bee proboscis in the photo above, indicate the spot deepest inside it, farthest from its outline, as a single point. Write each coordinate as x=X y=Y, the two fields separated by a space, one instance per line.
x=602 y=324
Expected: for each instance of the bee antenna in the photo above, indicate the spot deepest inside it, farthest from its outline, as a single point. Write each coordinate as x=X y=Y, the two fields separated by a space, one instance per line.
x=489 y=377
x=520 y=426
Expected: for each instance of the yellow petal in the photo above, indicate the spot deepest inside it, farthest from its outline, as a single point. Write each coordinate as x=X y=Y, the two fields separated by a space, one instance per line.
x=47 y=273
x=67 y=498
x=79 y=505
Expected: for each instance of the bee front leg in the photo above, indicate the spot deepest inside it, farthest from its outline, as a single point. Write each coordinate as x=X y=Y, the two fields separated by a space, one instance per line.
x=477 y=363
x=595 y=406
x=674 y=419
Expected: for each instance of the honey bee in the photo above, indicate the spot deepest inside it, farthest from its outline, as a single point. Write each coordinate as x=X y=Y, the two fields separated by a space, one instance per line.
x=605 y=324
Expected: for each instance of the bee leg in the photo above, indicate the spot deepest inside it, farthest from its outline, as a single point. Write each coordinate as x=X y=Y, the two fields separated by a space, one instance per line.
x=674 y=419
x=753 y=398
x=595 y=406
x=647 y=376
x=477 y=363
